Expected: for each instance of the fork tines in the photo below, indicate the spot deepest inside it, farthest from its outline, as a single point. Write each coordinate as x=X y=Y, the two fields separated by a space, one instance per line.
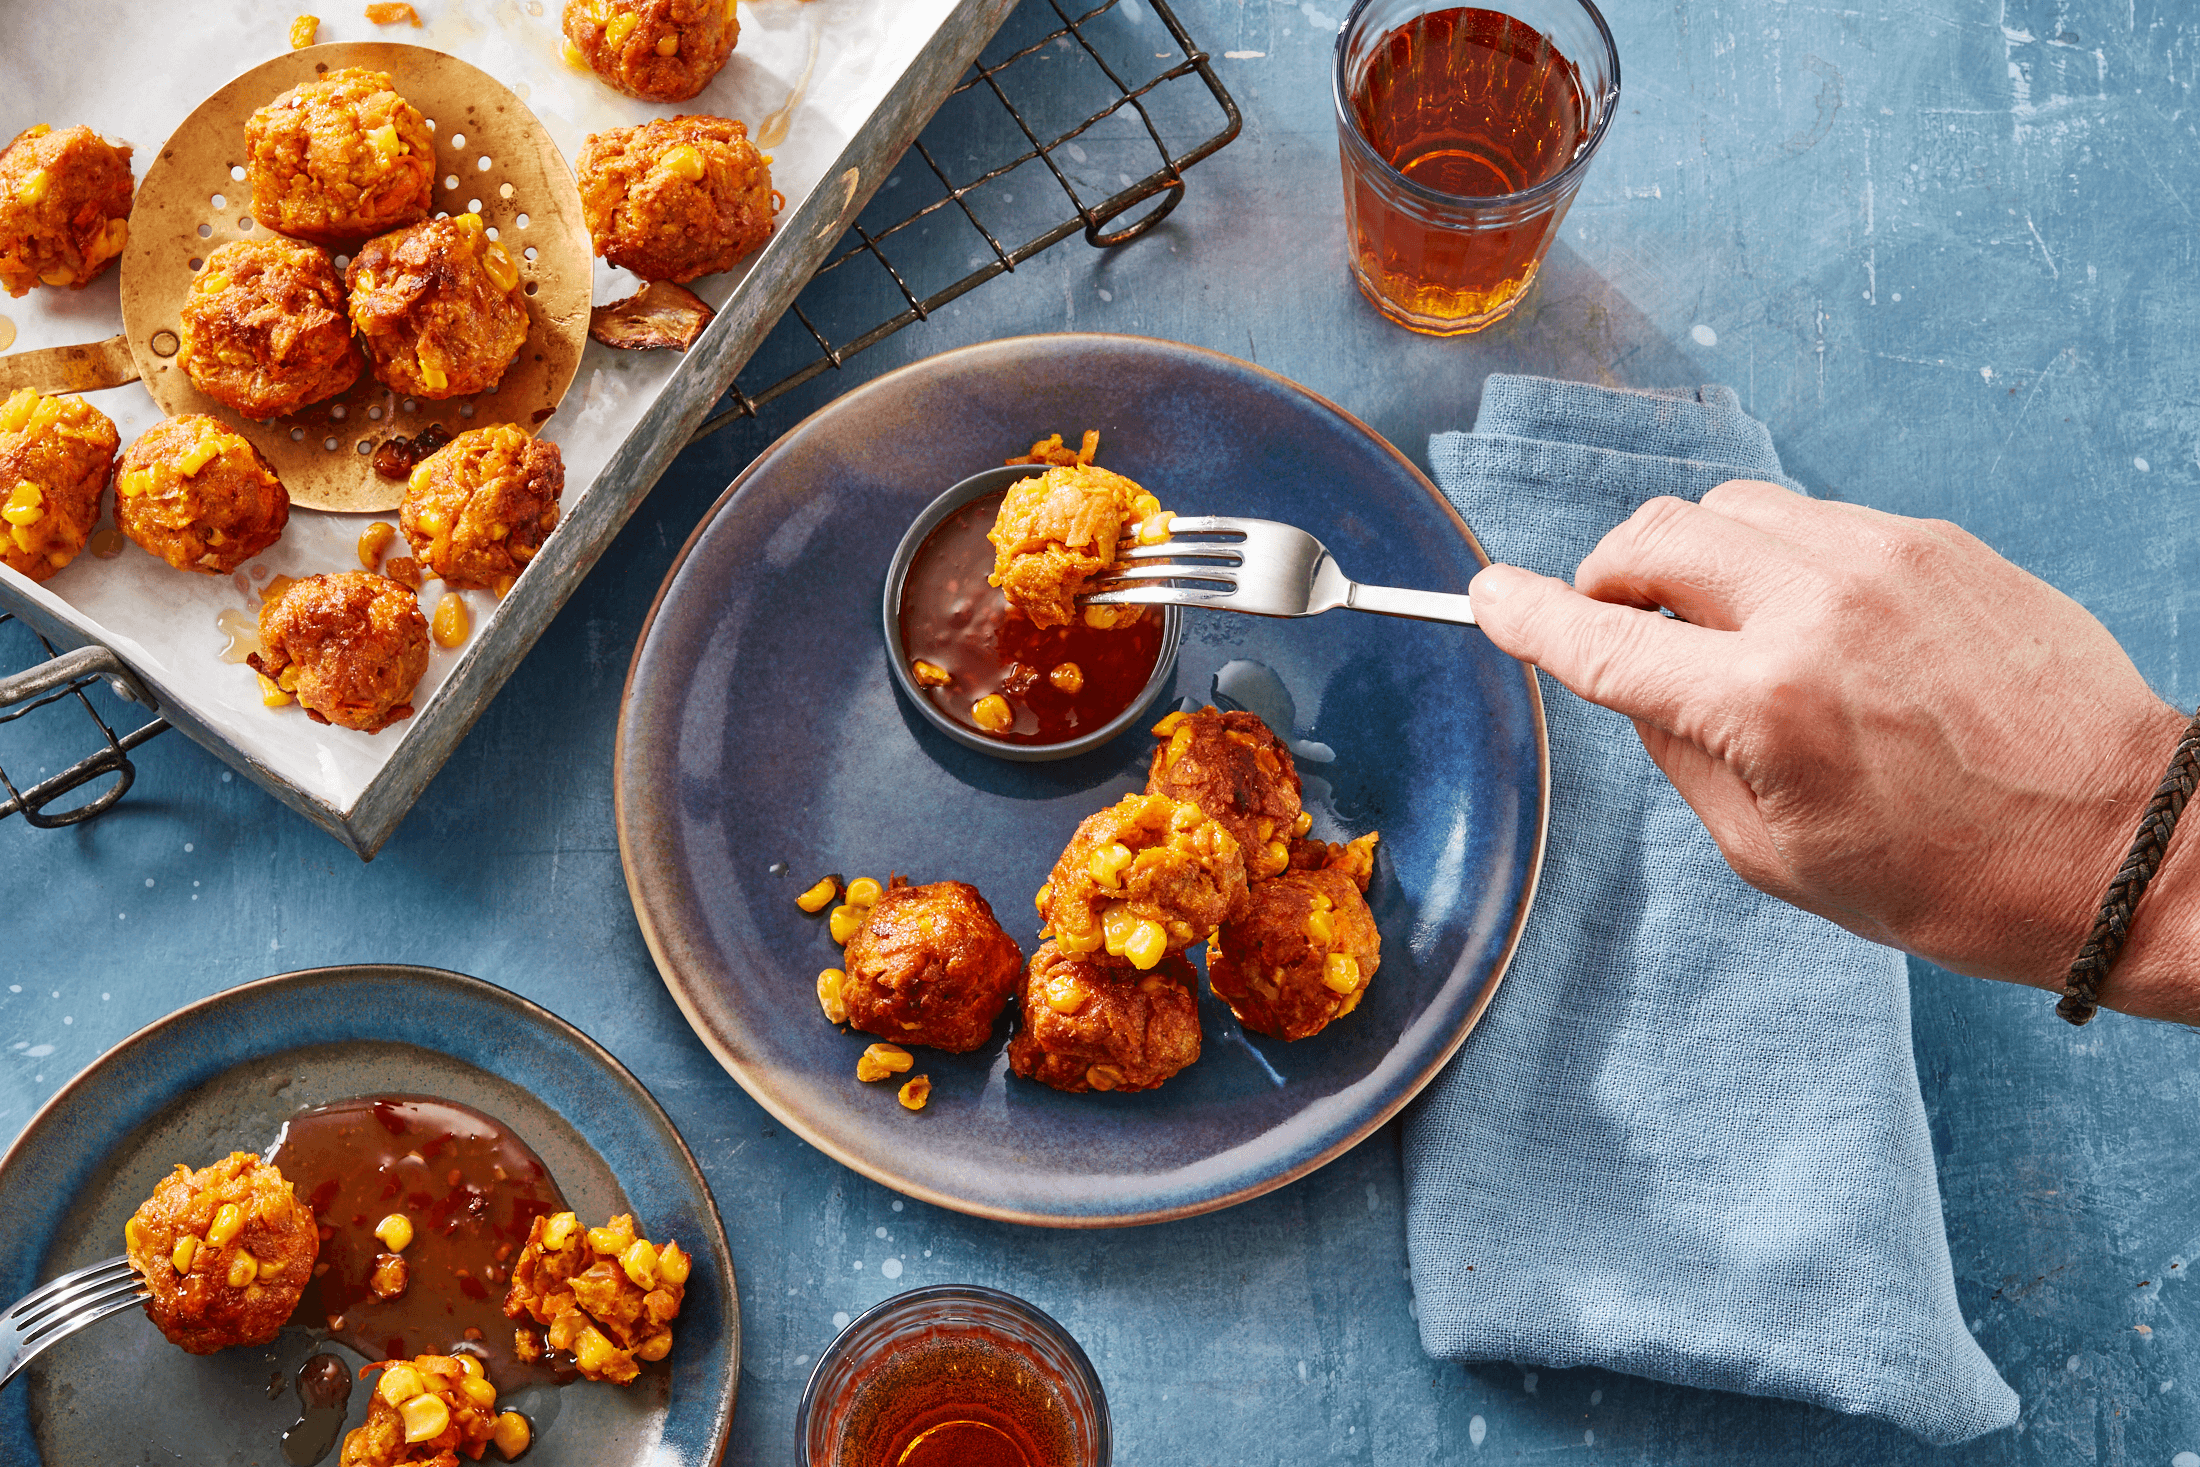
x=111 y=1283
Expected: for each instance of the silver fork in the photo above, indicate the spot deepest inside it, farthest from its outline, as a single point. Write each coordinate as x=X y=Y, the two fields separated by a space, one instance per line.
x=60 y=1308
x=1266 y=569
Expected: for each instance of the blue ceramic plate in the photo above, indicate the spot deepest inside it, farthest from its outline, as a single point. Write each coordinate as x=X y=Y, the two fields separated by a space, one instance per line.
x=222 y=1075
x=762 y=744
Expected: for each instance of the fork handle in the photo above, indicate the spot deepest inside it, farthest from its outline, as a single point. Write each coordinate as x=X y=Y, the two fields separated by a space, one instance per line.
x=1417 y=605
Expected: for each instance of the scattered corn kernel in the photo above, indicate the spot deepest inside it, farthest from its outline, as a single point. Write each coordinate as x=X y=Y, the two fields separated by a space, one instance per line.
x=1146 y=944
x=395 y=1231
x=1341 y=972
x=673 y=1264
x=818 y=897
x=228 y=1222
x=1103 y=1077
x=512 y=1434
x=393 y=14
x=287 y=679
x=243 y=1269
x=639 y=1263
x=21 y=534
x=1152 y=984
x=133 y=1233
x=845 y=922
x=1106 y=865
x=451 y=622
x=915 y=1092
x=1279 y=855
x=929 y=675
x=1077 y=943
x=881 y=1060
x=426 y=1418
x=186 y=1249
x=864 y=891
x=557 y=1232
x=478 y=1390
x=829 y=996
x=374 y=540
x=1068 y=677
x=303 y=30
x=992 y=714
x=59 y=275
x=399 y=1384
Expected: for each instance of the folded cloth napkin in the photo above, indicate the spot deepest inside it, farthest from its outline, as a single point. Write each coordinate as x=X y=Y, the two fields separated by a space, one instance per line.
x=1686 y=1141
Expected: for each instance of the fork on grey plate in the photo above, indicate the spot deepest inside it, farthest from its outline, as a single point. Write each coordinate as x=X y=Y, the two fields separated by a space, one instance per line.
x=60 y=1308
x=1264 y=568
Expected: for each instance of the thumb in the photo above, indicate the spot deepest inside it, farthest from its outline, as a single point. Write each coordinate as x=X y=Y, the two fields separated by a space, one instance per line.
x=1638 y=663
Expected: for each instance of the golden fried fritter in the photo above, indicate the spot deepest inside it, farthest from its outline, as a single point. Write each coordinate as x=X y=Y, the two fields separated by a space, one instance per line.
x=350 y=646
x=1236 y=770
x=657 y=50
x=339 y=158
x=1059 y=532
x=607 y=1294
x=226 y=1250
x=55 y=454
x=441 y=307
x=477 y=509
x=930 y=965
x=445 y=1401
x=1301 y=955
x=1092 y=1024
x=195 y=494
x=64 y=207
x=1148 y=875
x=264 y=330
x=675 y=198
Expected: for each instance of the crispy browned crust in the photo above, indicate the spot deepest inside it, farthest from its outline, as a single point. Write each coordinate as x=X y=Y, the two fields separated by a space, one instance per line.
x=1098 y=1024
x=61 y=236
x=930 y=965
x=358 y=642
x=1056 y=533
x=423 y=300
x=1270 y=972
x=316 y=170
x=199 y=1308
x=658 y=315
x=63 y=452
x=573 y=1289
x=264 y=330
x=211 y=519
x=646 y=217
x=628 y=57
x=477 y=509
x=1235 y=769
x=1186 y=873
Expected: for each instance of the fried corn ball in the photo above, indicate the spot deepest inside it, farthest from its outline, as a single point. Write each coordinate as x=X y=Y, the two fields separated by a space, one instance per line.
x=607 y=1294
x=264 y=330
x=193 y=493
x=1059 y=532
x=657 y=50
x=930 y=965
x=55 y=453
x=429 y=1409
x=1235 y=769
x=675 y=198
x=1091 y=1024
x=1355 y=858
x=1300 y=956
x=441 y=307
x=477 y=509
x=64 y=207
x=226 y=1250
x=1146 y=876
x=349 y=646
x=339 y=158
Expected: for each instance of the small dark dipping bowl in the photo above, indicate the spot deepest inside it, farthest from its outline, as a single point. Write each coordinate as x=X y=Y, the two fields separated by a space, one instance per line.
x=1100 y=654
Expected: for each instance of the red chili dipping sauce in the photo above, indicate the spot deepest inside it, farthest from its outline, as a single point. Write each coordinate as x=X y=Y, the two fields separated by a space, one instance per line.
x=951 y=619
x=469 y=1188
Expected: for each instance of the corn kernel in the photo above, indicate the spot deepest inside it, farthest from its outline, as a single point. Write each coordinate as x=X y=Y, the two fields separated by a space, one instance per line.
x=1103 y=1077
x=478 y=1391
x=1179 y=741
x=287 y=679
x=1341 y=972
x=639 y=1263
x=557 y=1232
x=915 y=1092
x=470 y=1365
x=1068 y=677
x=829 y=998
x=133 y=1233
x=432 y=377
x=373 y=541
x=1147 y=944
x=497 y=264
x=673 y=1264
x=45 y=415
x=929 y=675
x=34 y=187
x=730 y=4
x=620 y=27
x=656 y=1347
x=1078 y=943
x=25 y=506
x=186 y=1249
x=818 y=897
x=1278 y=855
x=303 y=30
x=16 y=411
x=668 y=45
x=395 y=1231
x=243 y=1269
x=511 y=1434
x=1145 y=506
x=202 y=453
x=1065 y=996
x=210 y=284
x=1154 y=529
x=426 y=1418
x=1039 y=898
x=471 y=223
x=1320 y=926
x=864 y=891
x=135 y=483
x=1303 y=824
x=228 y=1222
x=845 y=922
x=992 y=714
x=573 y=57
x=21 y=534
x=1107 y=863
x=608 y=1241
x=882 y=1060
x=59 y=275
x=399 y=1384
x=592 y=1352
x=451 y=623
x=1117 y=926
x=685 y=161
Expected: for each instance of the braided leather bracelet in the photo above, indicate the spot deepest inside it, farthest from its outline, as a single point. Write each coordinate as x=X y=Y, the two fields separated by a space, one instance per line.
x=2082 y=989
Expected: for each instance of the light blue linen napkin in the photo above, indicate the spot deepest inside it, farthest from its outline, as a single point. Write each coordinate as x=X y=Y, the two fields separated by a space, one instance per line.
x=1686 y=1141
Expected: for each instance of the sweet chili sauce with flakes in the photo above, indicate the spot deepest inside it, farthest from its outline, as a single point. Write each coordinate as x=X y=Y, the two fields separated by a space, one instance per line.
x=1477 y=105
x=958 y=1400
x=471 y=1190
x=952 y=619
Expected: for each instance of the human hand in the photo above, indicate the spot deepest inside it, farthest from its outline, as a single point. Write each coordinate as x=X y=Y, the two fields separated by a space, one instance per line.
x=1881 y=721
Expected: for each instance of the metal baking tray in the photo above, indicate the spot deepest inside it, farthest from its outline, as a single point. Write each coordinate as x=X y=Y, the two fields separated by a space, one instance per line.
x=859 y=79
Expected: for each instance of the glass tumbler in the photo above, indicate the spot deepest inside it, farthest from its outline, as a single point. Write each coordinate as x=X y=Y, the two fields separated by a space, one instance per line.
x=1465 y=132
x=949 y=1374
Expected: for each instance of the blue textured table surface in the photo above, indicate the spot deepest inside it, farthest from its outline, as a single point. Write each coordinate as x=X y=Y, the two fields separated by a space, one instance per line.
x=1946 y=250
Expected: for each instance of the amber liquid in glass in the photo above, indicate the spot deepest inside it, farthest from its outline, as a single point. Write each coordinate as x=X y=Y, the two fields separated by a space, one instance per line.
x=959 y=1401
x=1476 y=105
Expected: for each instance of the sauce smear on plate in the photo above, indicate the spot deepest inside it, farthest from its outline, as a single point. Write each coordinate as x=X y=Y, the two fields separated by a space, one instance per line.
x=953 y=620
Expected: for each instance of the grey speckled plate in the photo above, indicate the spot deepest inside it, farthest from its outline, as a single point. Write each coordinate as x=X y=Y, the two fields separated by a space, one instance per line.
x=760 y=727
x=222 y=1075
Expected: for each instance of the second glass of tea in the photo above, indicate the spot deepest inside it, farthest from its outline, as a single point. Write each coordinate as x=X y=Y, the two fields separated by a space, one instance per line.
x=1465 y=132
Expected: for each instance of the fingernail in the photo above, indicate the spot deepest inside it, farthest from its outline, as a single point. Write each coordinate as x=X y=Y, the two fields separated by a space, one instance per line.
x=1492 y=583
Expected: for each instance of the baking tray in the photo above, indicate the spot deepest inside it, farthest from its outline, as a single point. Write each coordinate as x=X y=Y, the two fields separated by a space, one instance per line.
x=859 y=77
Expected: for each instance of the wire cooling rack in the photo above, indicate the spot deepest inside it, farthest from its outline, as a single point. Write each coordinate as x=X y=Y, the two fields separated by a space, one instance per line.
x=1072 y=120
